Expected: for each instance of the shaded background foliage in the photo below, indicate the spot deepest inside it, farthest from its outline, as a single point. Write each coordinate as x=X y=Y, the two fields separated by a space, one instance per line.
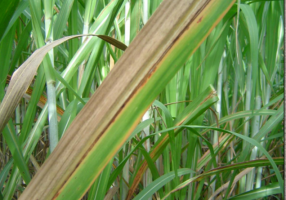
x=242 y=58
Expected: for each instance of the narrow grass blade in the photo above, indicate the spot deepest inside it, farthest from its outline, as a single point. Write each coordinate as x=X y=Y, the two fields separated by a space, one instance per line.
x=16 y=150
x=62 y=18
x=7 y=10
x=263 y=191
x=4 y=173
x=160 y=182
x=99 y=191
x=19 y=10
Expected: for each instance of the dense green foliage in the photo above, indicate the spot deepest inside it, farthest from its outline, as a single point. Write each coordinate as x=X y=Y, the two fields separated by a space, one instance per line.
x=217 y=148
